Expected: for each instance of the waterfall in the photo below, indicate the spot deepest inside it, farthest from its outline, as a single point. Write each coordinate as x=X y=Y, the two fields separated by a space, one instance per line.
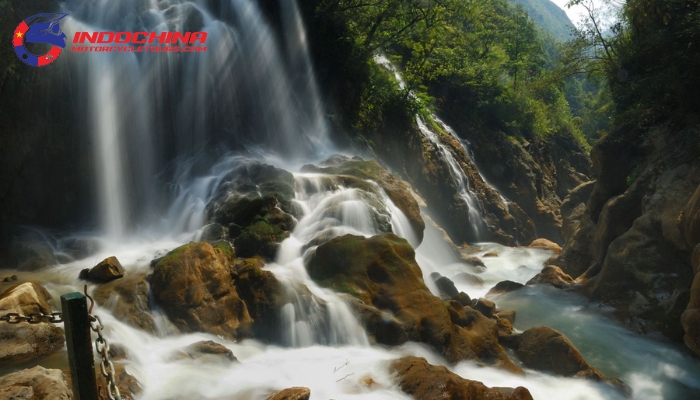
x=250 y=88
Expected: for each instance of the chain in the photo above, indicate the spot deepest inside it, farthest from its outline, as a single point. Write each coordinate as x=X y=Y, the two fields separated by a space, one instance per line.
x=33 y=318
x=106 y=366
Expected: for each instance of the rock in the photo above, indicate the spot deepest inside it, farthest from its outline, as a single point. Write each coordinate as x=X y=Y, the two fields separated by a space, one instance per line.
x=545 y=244
x=107 y=270
x=254 y=203
x=508 y=315
x=31 y=255
x=398 y=191
x=695 y=259
x=464 y=299
x=504 y=287
x=505 y=326
x=79 y=248
x=554 y=276
x=263 y=296
x=491 y=254
x=424 y=381
x=214 y=233
x=474 y=261
x=547 y=350
x=209 y=352
x=193 y=285
x=445 y=286
x=381 y=326
x=129 y=300
x=690 y=220
x=12 y=278
x=35 y=383
x=486 y=307
x=295 y=393
x=381 y=272
x=469 y=279
x=19 y=342
x=690 y=319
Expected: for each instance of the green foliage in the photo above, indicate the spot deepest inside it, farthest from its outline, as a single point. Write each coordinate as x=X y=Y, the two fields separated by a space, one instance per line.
x=550 y=17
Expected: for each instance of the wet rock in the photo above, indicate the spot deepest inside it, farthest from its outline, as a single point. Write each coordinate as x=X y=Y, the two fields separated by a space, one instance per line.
x=491 y=254
x=381 y=271
x=31 y=255
x=424 y=381
x=193 y=285
x=690 y=319
x=214 y=233
x=463 y=298
x=474 y=261
x=690 y=219
x=545 y=244
x=263 y=296
x=209 y=352
x=107 y=270
x=486 y=307
x=19 y=342
x=295 y=393
x=469 y=279
x=505 y=326
x=398 y=191
x=12 y=278
x=381 y=326
x=547 y=350
x=129 y=300
x=445 y=286
x=35 y=383
x=254 y=203
x=79 y=248
x=508 y=315
x=554 y=276
x=504 y=287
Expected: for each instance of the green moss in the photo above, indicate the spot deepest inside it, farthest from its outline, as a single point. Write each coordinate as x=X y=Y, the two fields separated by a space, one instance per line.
x=225 y=248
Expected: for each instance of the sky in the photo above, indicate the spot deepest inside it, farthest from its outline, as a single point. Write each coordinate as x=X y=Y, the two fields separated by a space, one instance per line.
x=576 y=12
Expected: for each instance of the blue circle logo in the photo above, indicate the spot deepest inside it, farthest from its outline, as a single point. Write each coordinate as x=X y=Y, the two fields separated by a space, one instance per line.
x=39 y=29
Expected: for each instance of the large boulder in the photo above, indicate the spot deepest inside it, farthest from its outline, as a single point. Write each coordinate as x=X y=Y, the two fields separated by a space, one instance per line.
x=208 y=352
x=194 y=286
x=424 y=381
x=254 y=203
x=397 y=190
x=504 y=287
x=263 y=295
x=24 y=341
x=107 y=270
x=545 y=244
x=129 y=300
x=381 y=271
x=35 y=383
x=554 y=276
x=544 y=349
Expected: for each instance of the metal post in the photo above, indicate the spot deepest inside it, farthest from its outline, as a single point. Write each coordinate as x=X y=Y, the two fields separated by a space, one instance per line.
x=80 y=353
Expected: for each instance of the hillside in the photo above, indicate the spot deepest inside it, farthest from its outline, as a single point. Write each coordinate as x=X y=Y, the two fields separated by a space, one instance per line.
x=548 y=16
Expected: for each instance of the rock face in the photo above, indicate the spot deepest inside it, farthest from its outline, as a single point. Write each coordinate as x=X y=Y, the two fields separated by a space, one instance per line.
x=545 y=244
x=547 y=350
x=554 y=276
x=36 y=383
x=295 y=393
x=631 y=234
x=424 y=381
x=194 y=286
x=107 y=270
x=397 y=190
x=381 y=272
x=254 y=204
x=24 y=341
x=129 y=300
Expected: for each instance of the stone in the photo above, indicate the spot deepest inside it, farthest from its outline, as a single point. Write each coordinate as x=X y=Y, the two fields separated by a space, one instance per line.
x=35 y=383
x=194 y=286
x=544 y=349
x=469 y=279
x=12 y=278
x=491 y=254
x=545 y=244
x=504 y=287
x=263 y=295
x=20 y=342
x=690 y=319
x=474 y=261
x=381 y=272
x=445 y=285
x=214 y=233
x=554 y=276
x=424 y=381
x=208 y=351
x=486 y=307
x=295 y=393
x=107 y=270
x=129 y=299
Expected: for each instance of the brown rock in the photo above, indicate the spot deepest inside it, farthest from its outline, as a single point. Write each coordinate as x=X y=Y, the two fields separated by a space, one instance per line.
x=505 y=326
x=474 y=262
x=469 y=279
x=107 y=270
x=209 y=351
x=690 y=219
x=20 y=342
x=547 y=350
x=545 y=244
x=381 y=271
x=695 y=259
x=424 y=381
x=262 y=294
x=504 y=287
x=690 y=319
x=508 y=315
x=491 y=254
x=36 y=383
x=129 y=300
x=552 y=275
x=295 y=393
x=486 y=307
x=193 y=285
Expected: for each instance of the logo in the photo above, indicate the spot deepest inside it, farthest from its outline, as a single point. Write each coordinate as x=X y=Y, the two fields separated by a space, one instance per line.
x=39 y=29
